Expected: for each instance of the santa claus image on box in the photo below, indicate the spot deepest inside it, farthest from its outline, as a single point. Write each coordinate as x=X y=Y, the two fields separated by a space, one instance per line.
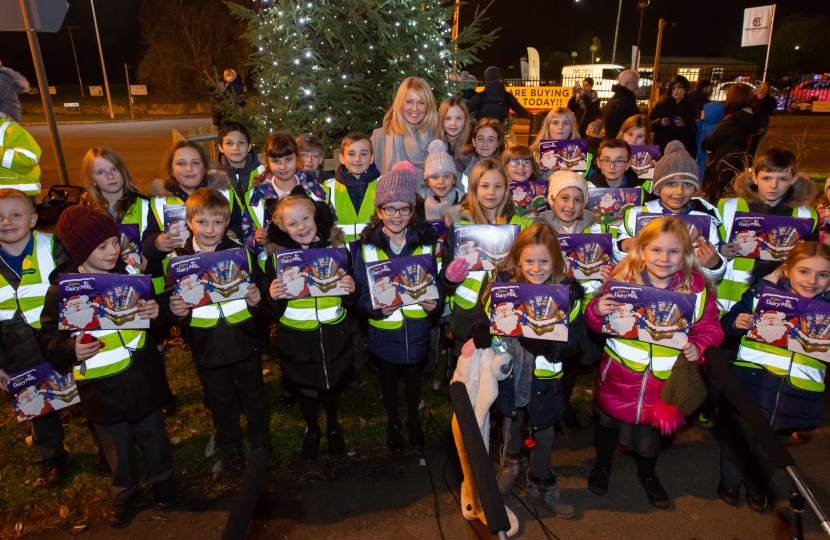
x=469 y=251
x=772 y=328
x=750 y=244
x=179 y=228
x=295 y=281
x=31 y=403
x=193 y=291
x=549 y=160
x=80 y=313
x=385 y=292
x=623 y=322
x=608 y=204
x=520 y=196
x=506 y=320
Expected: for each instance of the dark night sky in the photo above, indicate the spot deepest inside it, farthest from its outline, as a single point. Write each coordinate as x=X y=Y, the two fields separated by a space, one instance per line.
x=703 y=28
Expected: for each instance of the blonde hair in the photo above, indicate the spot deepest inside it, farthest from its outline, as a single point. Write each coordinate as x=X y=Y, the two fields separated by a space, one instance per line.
x=638 y=121
x=806 y=250
x=521 y=151
x=454 y=144
x=393 y=120
x=631 y=269
x=287 y=202
x=544 y=133
x=207 y=201
x=11 y=193
x=128 y=196
x=471 y=204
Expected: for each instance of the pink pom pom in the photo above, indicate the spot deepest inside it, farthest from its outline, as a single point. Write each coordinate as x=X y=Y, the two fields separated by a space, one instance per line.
x=404 y=166
x=667 y=418
x=468 y=349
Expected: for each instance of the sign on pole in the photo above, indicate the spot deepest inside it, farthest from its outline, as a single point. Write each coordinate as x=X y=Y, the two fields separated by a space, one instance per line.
x=757 y=26
x=138 y=90
x=96 y=90
x=539 y=97
x=533 y=64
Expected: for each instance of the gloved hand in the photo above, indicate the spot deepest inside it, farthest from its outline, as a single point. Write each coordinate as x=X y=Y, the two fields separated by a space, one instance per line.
x=481 y=336
x=457 y=270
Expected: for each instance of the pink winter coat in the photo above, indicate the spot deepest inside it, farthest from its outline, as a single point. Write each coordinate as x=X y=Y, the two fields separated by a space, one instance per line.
x=620 y=391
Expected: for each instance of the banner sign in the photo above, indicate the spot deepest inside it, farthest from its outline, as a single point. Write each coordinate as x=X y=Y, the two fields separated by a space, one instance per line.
x=757 y=26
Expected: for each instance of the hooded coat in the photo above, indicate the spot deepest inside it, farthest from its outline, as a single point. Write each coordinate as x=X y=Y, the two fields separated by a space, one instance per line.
x=621 y=107
x=670 y=108
x=12 y=84
x=242 y=177
x=728 y=149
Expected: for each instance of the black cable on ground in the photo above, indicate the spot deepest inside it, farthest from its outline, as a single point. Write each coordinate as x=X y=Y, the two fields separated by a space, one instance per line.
x=549 y=534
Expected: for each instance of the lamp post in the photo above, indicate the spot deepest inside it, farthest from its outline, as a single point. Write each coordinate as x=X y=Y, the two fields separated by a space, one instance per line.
x=616 y=33
x=574 y=54
x=593 y=49
x=101 y=53
x=72 y=40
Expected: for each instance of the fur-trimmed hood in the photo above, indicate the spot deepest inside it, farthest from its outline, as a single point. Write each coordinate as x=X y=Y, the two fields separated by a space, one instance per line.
x=214 y=178
x=16 y=78
x=328 y=233
x=801 y=193
x=457 y=212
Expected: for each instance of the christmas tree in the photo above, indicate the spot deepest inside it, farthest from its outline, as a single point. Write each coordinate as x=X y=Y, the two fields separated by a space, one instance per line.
x=331 y=68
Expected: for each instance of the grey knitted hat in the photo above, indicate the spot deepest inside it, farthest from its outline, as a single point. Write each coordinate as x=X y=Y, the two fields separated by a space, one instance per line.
x=438 y=161
x=398 y=185
x=675 y=165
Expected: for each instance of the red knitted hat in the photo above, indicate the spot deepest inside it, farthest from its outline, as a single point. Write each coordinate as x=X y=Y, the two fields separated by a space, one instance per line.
x=82 y=229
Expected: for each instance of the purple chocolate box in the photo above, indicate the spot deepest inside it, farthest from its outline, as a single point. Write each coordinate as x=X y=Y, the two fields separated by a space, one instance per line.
x=649 y=314
x=697 y=225
x=40 y=390
x=130 y=243
x=102 y=301
x=609 y=204
x=441 y=226
x=769 y=238
x=211 y=278
x=569 y=154
x=402 y=281
x=530 y=197
x=644 y=158
x=174 y=222
x=484 y=246
x=798 y=324
x=534 y=311
x=312 y=272
x=585 y=254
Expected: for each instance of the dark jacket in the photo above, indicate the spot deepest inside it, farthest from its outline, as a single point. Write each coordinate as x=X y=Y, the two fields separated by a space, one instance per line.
x=495 y=102
x=699 y=98
x=671 y=108
x=127 y=396
x=321 y=358
x=410 y=343
x=619 y=108
x=585 y=108
x=727 y=147
x=240 y=178
x=18 y=347
x=787 y=408
x=225 y=343
x=764 y=108
x=631 y=179
x=356 y=187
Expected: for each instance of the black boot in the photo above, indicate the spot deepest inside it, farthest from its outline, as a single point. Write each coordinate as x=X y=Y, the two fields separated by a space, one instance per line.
x=311 y=445
x=119 y=512
x=337 y=444
x=655 y=493
x=235 y=461
x=56 y=471
x=394 y=436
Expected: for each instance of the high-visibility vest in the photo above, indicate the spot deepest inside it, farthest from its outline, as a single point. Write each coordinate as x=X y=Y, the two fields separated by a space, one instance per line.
x=19 y=160
x=34 y=282
x=349 y=221
x=137 y=215
x=308 y=313
x=257 y=211
x=233 y=311
x=801 y=371
x=114 y=357
x=413 y=311
x=736 y=279
x=638 y=356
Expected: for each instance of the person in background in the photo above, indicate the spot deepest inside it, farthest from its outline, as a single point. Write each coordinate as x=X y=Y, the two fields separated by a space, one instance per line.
x=495 y=101
x=313 y=156
x=19 y=166
x=710 y=117
x=764 y=105
x=584 y=103
x=700 y=96
x=623 y=105
x=456 y=130
x=673 y=118
x=12 y=84
x=636 y=131
x=230 y=88
x=486 y=142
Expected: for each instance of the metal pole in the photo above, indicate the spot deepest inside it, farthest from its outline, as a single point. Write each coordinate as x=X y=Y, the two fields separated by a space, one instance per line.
x=129 y=93
x=640 y=31
x=808 y=498
x=43 y=84
x=656 y=67
x=101 y=53
x=72 y=40
x=616 y=33
x=769 y=43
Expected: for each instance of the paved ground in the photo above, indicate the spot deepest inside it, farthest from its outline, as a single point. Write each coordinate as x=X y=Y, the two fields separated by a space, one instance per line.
x=392 y=498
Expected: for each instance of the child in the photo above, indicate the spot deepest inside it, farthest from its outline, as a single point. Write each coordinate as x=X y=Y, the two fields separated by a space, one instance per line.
x=675 y=182
x=520 y=164
x=632 y=373
x=559 y=125
x=487 y=141
x=486 y=203
x=316 y=356
x=823 y=211
x=535 y=257
x=454 y=119
x=786 y=387
x=237 y=157
x=636 y=130
x=283 y=162
x=224 y=338
x=119 y=373
x=771 y=187
x=441 y=191
x=311 y=152
x=110 y=187
x=399 y=338
x=615 y=167
x=353 y=188
x=26 y=260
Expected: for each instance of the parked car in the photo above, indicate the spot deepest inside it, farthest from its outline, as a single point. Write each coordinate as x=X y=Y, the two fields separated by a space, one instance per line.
x=720 y=90
x=803 y=94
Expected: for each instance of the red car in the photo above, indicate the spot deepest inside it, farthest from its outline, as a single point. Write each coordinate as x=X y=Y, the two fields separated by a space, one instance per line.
x=806 y=92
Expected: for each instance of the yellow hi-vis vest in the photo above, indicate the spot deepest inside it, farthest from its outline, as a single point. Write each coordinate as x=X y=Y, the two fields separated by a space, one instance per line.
x=801 y=371
x=114 y=357
x=34 y=282
x=736 y=280
x=137 y=215
x=308 y=313
x=19 y=158
x=233 y=311
x=638 y=356
x=349 y=221
x=413 y=311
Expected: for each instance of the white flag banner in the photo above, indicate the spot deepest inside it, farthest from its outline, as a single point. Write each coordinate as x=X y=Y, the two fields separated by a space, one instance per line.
x=757 y=26
x=533 y=63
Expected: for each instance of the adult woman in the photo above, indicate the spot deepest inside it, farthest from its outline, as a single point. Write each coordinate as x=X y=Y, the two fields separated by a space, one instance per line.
x=410 y=124
x=728 y=145
x=764 y=105
x=673 y=119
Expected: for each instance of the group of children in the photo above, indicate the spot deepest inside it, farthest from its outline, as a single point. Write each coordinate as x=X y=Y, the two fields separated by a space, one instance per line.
x=290 y=203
